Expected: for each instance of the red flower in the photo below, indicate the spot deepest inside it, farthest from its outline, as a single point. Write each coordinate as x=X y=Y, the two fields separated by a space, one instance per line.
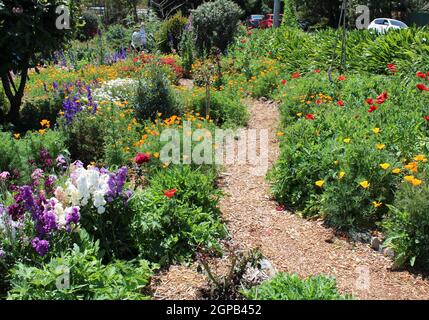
x=426 y=118
x=142 y=158
x=392 y=67
x=421 y=75
x=422 y=87
x=283 y=81
x=372 y=109
x=296 y=75
x=317 y=71
x=370 y=101
x=382 y=98
x=170 y=193
x=342 y=78
x=340 y=103
x=318 y=102
x=281 y=208
x=243 y=40
x=249 y=33
x=309 y=117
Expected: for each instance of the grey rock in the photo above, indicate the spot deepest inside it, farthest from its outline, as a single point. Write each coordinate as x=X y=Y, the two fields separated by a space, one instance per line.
x=376 y=243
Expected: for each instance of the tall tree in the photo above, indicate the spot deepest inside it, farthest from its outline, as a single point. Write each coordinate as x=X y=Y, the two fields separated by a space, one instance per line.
x=29 y=31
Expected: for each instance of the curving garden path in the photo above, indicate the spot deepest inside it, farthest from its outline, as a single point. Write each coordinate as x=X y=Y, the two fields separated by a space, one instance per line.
x=291 y=243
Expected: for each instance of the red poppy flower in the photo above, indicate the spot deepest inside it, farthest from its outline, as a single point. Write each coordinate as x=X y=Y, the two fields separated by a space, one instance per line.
x=170 y=193
x=142 y=158
x=309 y=117
x=318 y=102
x=342 y=78
x=317 y=71
x=426 y=118
x=392 y=67
x=296 y=75
x=281 y=208
x=370 y=101
x=340 y=103
x=421 y=75
x=372 y=109
x=382 y=98
x=422 y=87
x=283 y=81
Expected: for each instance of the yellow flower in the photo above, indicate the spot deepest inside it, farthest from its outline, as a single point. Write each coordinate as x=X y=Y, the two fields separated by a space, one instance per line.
x=159 y=114
x=365 y=184
x=280 y=134
x=385 y=166
x=156 y=155
x=380 y=146
x=416 y=182
x=377 y=204
x=376 y=130
x=409 y=178
x=42 y=131
x=341 y=175
x=336 y=162
x=320 y=183
x=396 y=171
x=347 y=140
x=299 y=114
x=17 y=136
x=412 y=166
x=45 y=123
x=420 y=158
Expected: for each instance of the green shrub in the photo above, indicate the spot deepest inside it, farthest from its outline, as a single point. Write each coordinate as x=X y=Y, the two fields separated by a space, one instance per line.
x=407 y=225
x=90 y=27
x=215 y=24
x=118 y=36
x=292 y=287
x=225 y=110
x=171 y=30
x=170 y=230
x=187 y=50
x=85 y=137
x=155 y=95
x=89 y=278
x=37 y=109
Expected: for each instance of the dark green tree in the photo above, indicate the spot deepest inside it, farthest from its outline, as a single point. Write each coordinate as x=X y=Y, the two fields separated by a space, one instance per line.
x=30 y=30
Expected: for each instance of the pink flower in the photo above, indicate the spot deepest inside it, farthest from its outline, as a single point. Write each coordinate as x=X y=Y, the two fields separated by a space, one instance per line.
x=142 y=158
x=4 y=176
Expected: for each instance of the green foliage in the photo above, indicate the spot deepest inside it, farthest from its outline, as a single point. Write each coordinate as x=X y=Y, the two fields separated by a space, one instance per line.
x=85 y=137
x=90 y=26
x=118 y=36
x=171 y=30
x=17 y=153
x=170 y=230
x=215 y=24
x=225 y=110
x=292 y=287
x=89 y=278
x=154 y=95
x=37 y=109
x=289 y=16
x=187 y=51
x=407 y=225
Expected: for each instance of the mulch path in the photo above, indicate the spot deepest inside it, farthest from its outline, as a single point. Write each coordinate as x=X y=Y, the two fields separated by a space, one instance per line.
x=290 y=243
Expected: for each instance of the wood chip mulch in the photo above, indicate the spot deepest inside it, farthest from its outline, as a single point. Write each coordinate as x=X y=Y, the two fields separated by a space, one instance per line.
x=291 y=243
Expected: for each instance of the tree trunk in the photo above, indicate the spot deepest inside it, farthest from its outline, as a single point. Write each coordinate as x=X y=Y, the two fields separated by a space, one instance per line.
x=15 y=95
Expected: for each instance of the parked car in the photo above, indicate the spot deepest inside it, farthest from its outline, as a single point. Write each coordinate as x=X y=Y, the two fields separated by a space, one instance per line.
x=382 y=25
x=268 y=21
x=254 y=20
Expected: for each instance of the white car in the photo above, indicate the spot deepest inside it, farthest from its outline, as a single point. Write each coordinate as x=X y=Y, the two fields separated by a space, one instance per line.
x=382 y=25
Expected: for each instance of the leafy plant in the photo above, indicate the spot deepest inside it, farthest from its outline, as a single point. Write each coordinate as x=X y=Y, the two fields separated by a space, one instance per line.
x=292 y=287
x=78 y=274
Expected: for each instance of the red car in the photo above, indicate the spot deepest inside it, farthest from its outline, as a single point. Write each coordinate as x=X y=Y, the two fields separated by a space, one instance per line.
x=268 y=21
